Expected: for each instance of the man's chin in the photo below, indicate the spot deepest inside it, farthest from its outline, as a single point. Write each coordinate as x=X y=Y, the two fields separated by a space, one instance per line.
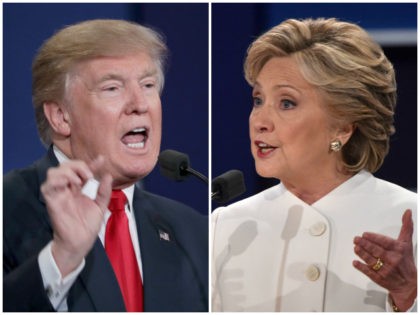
x=130 y=176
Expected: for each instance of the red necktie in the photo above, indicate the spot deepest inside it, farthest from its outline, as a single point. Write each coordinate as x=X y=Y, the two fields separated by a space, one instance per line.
x=119 y=247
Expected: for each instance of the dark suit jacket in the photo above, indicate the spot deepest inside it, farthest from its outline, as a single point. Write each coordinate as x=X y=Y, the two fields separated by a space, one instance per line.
x=175 y=272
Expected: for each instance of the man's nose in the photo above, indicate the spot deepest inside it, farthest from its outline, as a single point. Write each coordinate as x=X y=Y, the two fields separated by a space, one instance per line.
x=137 y=102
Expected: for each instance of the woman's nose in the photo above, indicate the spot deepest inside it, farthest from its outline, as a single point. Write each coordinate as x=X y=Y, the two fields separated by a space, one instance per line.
x=261 y=119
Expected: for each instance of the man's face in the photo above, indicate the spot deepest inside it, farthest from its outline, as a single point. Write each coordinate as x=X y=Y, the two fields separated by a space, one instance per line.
x=114 y=110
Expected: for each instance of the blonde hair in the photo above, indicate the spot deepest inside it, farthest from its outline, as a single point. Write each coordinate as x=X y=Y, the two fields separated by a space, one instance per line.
x=352 y=72
x=84 y=41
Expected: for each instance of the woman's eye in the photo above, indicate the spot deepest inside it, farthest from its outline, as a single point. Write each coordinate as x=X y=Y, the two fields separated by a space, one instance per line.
x=288 y=104
x=256 y=101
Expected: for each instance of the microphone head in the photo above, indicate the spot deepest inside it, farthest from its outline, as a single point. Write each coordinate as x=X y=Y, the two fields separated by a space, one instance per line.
x=173 y=164
x=227 y=186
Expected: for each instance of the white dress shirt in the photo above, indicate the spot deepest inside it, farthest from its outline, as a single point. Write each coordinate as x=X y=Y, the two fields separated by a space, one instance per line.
x=273 y=252
x=57 y=287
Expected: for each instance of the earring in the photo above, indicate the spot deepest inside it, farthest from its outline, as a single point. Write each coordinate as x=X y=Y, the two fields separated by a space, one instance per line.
x=336 y=145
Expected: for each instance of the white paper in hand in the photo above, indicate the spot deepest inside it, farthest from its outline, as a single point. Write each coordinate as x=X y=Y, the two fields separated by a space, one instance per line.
x=90 y=189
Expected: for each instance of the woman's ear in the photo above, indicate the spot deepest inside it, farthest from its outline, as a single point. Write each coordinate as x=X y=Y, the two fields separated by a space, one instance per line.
x=58 y=118
x=345 y=132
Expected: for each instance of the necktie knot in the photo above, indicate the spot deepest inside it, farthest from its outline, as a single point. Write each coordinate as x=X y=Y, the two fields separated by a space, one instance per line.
x=118 y=201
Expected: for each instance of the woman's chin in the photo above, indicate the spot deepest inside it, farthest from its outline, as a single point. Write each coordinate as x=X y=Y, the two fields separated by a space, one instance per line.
x=266 y=173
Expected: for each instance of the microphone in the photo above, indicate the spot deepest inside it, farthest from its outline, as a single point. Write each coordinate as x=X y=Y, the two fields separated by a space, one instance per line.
x=227 y=186
x=176 y=166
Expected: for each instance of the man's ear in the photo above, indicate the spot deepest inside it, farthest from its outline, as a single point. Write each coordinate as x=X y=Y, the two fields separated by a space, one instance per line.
x=58 y=118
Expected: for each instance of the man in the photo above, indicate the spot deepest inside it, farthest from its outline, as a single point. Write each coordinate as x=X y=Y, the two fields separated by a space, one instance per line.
x=96 y=92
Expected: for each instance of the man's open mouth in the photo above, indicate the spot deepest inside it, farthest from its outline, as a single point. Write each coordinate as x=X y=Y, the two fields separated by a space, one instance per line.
x=136 y=138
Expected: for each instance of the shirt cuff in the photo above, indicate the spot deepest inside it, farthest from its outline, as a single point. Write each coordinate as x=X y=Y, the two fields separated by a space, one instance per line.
x=57 y=288
x=389 y=303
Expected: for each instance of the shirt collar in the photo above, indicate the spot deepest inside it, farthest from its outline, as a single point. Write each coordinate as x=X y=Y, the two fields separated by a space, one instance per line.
x=61 y=157
x=129 y=191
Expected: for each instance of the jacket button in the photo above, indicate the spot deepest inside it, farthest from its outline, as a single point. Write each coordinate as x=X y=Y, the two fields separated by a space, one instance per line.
x=318 y=229
x=312 y=273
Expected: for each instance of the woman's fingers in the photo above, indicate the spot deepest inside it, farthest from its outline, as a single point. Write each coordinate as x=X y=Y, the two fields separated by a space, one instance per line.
x=390 y=262
x=370 y=250
x=406 y=232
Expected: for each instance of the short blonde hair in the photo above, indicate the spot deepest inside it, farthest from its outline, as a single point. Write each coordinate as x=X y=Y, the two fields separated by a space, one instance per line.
x=352 y=72
x=83 y=41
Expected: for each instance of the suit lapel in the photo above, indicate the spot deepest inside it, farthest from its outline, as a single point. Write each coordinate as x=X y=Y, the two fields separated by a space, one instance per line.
x=42 y=167
x=96 y=288
x=161 y=258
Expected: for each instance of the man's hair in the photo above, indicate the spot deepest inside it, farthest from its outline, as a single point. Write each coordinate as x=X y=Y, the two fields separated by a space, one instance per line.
x=80 y=42
x=350 y=70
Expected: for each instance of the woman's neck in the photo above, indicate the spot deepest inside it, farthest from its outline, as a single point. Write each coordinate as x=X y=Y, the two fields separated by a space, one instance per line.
x=311 y=189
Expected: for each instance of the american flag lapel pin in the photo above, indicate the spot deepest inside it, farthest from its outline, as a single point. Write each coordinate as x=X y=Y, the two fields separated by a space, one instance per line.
x=164 y=236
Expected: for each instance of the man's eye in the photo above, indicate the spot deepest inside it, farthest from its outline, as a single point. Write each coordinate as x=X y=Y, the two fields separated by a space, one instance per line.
x=149 y=85
x=111 y=88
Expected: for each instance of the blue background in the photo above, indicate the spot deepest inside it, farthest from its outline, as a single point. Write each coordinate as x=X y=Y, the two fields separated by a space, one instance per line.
x=184 y=99
x=235 y=26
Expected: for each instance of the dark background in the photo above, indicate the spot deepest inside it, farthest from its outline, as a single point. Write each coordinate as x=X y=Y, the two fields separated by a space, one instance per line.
x=185 y=96
x=184 y=99
x=235 y=26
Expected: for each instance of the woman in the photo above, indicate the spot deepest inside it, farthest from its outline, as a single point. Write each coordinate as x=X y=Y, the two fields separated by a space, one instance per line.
x=328 y=237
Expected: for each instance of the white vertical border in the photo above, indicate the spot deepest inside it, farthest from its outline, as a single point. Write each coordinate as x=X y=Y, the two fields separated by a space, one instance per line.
x=210 y=241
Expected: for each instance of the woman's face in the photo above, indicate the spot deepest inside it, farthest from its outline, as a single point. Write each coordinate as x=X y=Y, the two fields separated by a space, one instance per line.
x=289 y=127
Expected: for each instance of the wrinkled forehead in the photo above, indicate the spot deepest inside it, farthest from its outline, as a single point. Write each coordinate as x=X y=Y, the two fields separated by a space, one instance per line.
x=137 y=65
x=140 y=61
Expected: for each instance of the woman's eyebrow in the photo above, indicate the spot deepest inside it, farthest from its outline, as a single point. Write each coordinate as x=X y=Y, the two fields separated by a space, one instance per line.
x=277 y=86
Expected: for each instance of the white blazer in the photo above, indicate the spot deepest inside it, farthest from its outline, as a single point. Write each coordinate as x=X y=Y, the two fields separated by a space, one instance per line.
x=273 y=252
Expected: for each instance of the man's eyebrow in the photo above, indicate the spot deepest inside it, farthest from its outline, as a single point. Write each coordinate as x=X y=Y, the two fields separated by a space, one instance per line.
x=148 y=73
x=113 y=76
x=110 y=76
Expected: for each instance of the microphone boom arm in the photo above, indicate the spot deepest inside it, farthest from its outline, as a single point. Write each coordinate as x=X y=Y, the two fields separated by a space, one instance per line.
x=197 y=174
x=176 y=166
